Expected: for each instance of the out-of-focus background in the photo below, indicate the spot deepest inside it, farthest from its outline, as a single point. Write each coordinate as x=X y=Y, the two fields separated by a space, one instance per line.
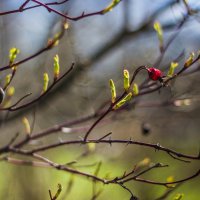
x=101 y=47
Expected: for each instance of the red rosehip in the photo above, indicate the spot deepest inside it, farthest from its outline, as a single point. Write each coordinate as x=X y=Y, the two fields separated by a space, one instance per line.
x=154 y=74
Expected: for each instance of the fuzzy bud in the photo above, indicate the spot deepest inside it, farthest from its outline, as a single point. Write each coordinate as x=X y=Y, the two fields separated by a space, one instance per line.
x=56 y=67
x=46 y=82
x=126 y=80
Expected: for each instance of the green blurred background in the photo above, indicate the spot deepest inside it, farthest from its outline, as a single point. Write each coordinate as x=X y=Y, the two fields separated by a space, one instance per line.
x=101 y=47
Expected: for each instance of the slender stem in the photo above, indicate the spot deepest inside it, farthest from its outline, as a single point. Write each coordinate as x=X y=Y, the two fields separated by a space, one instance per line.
x=97 y=121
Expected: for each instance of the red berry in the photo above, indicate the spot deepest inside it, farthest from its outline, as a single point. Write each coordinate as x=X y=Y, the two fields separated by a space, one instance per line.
x=154 y=74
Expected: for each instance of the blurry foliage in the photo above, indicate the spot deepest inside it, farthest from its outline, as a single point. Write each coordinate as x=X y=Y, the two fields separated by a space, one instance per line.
x=118 y=36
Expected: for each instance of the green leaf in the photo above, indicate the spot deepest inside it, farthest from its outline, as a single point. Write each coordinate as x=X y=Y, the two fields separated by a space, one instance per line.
x=170 y=179
x=13 y=54
x=26 y=125
x=111 y=6
x=158 y=28
x=189 y=61
x=178 y=196
x=56 y=67
x=126 y=80
x=8 y=78
x=113 y=91
x=46 y=82
x=135 y=89
x=123 y=101
x=172 y=68
x=10 y=91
